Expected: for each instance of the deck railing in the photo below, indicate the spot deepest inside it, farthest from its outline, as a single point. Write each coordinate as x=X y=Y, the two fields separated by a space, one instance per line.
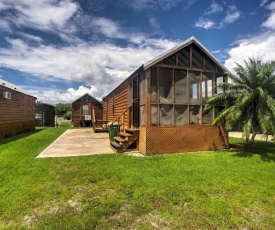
x=121 y=117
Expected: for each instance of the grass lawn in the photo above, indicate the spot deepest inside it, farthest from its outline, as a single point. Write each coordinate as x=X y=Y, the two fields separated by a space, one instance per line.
x=207 y=190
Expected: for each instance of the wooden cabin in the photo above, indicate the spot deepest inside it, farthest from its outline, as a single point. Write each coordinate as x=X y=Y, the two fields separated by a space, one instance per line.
x=17 y=110
x=87 y=111
x=159 y=107
x=44 y=114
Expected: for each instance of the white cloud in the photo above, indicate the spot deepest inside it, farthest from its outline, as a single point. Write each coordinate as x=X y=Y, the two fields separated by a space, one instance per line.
x=205 y=23
x=108 y=28
x=261 y=47
x=214 y=8
x=230 y=16
x=158 y=4
x=47 y=15
x=95 y=65
x=53 y=96
x=263 y=2
x=270 y=22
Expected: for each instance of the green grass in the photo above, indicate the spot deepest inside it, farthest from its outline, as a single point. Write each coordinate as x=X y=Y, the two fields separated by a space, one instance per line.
x=207 y=190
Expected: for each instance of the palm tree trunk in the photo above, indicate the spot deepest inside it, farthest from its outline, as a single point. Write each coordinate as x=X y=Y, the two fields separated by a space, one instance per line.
x=253 y=137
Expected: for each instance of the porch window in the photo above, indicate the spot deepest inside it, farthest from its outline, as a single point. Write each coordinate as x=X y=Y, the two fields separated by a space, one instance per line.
x=194 y=114
x=85 y=110
x=207 y=118
x=142 y=115
x=194 y=87
x=165 y=85
x=166 y=118
x=181 y=115
x=180 y=87
x=206 y=86
x=154 y=85
x=219 y=79
x=154 y=115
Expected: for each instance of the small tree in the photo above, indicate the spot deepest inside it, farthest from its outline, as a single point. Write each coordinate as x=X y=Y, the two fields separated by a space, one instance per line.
x=67 y=115
x=249 y=100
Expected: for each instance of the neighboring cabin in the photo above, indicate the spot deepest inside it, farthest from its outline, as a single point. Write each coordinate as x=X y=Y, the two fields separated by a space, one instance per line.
x=17 y=110
x=82 y=110
x=165 y=98
x=44 y=114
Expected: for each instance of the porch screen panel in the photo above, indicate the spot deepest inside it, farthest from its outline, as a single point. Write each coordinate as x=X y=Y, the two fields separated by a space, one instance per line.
x=180 y=86
x=209 y=64
x=184 y=57
x=181 y=115
x=207 y=118
x=166 y=112
x=165 y=85
x=154 y=85
x=197 y=57
x=142 y=115
x=154 y=115
x=207 y=88
x=142 y=89
x=194 y=87
x=194 y=114
x=171 y=60
x=219 y=79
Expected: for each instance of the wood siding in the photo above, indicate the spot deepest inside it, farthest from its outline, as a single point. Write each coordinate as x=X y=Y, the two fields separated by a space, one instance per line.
x=17 y=115
x=77 y=114
x=116 y=103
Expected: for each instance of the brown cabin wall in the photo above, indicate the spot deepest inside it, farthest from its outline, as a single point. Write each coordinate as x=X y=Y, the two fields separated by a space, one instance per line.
x=77 y=112
x=120 y=103
x=17 y=115
x=157 y=140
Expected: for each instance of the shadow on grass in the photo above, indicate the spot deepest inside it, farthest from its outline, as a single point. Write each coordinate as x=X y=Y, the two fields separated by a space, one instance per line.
x=19 y=136
x=266 y=150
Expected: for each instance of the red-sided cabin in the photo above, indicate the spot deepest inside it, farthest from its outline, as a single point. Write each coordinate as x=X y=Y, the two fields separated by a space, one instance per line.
x=17 y=110
x=87 y=111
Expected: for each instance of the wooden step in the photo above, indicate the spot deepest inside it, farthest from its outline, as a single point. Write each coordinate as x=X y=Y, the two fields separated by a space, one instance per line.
x=132 y=130
x=119 y=139
x=125 y=134
x=116 y=145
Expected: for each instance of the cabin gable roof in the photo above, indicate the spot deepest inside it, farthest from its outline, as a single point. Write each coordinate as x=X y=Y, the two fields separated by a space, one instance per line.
x=93 y=100
x=184 y=44
x=189 y=41
x=13 y=87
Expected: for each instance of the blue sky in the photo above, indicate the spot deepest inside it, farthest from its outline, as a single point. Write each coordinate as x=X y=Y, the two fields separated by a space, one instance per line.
x=59 y=50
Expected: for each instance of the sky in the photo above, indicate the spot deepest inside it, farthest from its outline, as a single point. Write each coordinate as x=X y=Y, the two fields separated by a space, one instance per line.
x=58 y=50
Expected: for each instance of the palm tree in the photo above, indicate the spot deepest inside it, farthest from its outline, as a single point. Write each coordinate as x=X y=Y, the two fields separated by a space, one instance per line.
x=249 y=100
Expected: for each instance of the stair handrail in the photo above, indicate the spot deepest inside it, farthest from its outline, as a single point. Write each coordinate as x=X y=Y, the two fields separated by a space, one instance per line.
x=117 y=119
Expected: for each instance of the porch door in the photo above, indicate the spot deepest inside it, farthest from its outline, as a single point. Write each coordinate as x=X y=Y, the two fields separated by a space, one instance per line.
x=135 y=102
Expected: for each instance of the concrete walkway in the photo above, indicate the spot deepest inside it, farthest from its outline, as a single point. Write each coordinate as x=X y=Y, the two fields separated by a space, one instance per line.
x=78 y=142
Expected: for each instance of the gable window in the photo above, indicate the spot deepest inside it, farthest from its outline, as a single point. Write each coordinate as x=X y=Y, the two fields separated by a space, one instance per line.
x=85 y=110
